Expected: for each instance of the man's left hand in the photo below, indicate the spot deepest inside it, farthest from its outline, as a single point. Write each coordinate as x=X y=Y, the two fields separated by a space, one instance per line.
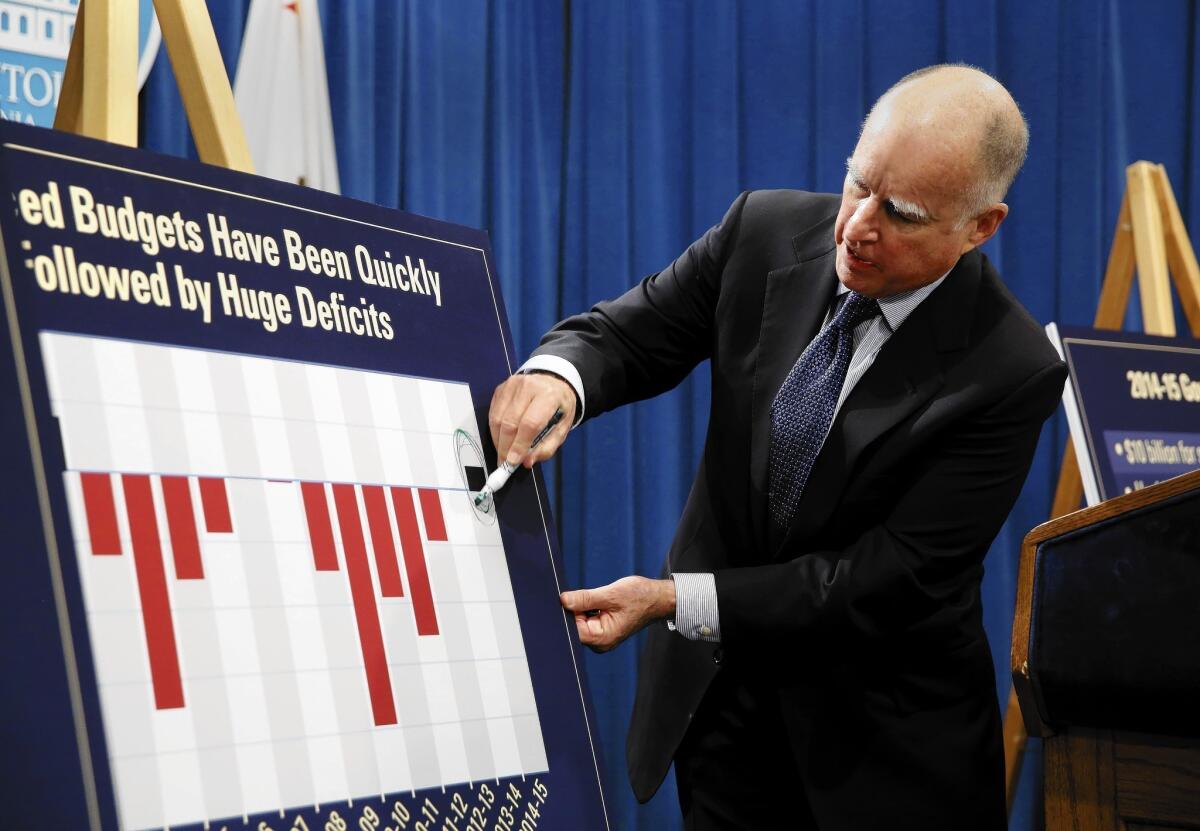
x=610 y=614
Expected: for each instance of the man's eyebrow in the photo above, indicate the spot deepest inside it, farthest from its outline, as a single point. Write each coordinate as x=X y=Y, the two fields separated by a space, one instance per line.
x=852 y=170
x=909 y=210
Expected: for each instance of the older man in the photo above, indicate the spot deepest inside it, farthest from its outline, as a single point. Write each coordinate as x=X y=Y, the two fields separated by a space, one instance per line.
x=876 y=399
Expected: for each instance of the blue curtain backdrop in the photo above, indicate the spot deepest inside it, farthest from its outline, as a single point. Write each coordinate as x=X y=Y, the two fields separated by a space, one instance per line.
x=594 y=139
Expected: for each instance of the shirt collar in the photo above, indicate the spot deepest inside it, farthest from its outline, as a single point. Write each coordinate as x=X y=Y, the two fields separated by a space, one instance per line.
x=898 y=307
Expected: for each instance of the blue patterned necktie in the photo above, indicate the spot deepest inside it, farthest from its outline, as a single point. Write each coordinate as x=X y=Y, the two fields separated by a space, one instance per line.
x=804 y=406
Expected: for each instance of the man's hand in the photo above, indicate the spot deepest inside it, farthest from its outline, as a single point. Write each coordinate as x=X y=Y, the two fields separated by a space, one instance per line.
x=521 y=408
x=610 y=614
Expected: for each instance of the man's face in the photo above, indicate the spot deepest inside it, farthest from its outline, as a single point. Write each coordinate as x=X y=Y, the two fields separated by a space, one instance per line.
x=901 y=202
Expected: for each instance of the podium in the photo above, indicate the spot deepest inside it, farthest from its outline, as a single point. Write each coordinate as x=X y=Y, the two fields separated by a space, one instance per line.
x=1105 y=661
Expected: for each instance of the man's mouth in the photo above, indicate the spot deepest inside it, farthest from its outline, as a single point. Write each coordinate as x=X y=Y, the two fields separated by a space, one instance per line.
x=855 y=261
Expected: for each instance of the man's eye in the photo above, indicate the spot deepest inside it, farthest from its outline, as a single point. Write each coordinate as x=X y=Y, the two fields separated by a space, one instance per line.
x=902 y=217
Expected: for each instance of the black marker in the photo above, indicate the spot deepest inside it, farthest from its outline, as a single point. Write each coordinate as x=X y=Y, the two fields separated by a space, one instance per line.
x=500 y=475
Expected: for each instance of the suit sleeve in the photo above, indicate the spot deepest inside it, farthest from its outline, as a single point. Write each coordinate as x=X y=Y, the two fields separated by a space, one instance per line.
x=647 y=340
x=915 y=573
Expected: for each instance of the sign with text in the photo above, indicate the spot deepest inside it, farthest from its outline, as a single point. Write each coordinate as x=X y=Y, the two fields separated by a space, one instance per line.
x=248 y=586
x=35 y=38
x=1133 y=405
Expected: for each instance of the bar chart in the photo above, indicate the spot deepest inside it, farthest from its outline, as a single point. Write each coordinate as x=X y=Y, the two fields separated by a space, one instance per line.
x=289 y=597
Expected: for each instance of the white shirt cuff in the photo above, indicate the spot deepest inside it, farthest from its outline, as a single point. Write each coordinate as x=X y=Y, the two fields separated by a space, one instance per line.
x=696 y=616
x=563 y=369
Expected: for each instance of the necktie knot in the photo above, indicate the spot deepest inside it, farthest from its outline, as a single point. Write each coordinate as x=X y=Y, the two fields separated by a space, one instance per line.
x=855 y=309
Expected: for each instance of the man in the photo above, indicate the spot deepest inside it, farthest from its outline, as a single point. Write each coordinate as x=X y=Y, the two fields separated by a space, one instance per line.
x=876 y=400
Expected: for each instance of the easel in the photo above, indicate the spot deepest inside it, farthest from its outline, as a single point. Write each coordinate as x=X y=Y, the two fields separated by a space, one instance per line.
x=1150 y=233
x=99 y=100
x=99 y=89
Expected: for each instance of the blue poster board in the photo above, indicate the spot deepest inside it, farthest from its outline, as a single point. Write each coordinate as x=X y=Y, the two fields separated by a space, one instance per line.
x=1133 y=405
x=247 y=586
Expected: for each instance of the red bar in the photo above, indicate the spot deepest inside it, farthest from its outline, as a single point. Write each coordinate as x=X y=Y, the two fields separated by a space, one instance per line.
x=181 y=522
x=216 y=506
x=152 y=588
x=431 y=509
x=320 y=532
x=370 y=635
x=414 y=562
x=386 y=563
x=101 y=513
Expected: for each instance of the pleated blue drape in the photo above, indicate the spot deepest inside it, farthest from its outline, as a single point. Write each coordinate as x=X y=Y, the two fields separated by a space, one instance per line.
x=594 y=139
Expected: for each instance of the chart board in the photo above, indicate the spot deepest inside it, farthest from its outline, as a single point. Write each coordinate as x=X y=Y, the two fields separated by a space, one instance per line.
x=277 y=604
x=1133 y=405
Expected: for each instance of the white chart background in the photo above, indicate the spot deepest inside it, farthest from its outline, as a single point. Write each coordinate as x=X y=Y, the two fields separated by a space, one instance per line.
x=277 y=711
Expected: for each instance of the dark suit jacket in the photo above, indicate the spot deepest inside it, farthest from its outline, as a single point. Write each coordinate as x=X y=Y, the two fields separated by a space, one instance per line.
x=863 y=616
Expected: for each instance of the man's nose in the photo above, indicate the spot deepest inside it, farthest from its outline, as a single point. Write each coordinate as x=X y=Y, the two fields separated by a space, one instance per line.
x=863 y=224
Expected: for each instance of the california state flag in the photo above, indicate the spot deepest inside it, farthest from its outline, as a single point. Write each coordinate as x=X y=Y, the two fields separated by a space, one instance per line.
x=283 y=96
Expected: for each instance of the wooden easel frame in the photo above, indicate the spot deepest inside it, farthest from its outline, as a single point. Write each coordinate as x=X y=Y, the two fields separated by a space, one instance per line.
x=99 y=89
x=1151 y=235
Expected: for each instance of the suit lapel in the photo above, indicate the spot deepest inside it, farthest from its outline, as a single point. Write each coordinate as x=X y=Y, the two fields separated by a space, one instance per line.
x=906 y=373
x=794 y=306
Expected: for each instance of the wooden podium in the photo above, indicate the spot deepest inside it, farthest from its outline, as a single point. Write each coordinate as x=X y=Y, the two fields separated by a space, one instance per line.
x=1105 y=660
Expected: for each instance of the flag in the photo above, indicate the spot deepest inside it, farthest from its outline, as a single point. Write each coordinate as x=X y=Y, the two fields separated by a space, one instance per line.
x=283 y=96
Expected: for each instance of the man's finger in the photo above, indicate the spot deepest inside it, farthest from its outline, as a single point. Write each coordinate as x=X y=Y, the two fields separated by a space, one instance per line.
x=582 y=600
x=520 y=409
x=512 y=397
x=593 y=634
x=538 y=411
x=518 y=425
x=501 y=398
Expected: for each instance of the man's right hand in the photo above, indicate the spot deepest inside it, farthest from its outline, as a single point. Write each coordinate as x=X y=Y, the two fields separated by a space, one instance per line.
x=521 y=408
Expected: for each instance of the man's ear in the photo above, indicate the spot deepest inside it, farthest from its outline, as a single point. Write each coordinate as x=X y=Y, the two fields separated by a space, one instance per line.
x=986 y=225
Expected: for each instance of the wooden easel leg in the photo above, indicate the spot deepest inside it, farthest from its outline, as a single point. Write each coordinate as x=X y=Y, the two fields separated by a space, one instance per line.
x=1158 y=315
x=108 y=109
x=1069 y=491
x=203 y=84
x=70 y=97
x=1180 y=256
x=1118 y=274
x=1015 y=737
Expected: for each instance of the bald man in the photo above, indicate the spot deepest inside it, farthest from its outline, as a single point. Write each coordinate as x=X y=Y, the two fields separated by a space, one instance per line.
x=816 y=657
